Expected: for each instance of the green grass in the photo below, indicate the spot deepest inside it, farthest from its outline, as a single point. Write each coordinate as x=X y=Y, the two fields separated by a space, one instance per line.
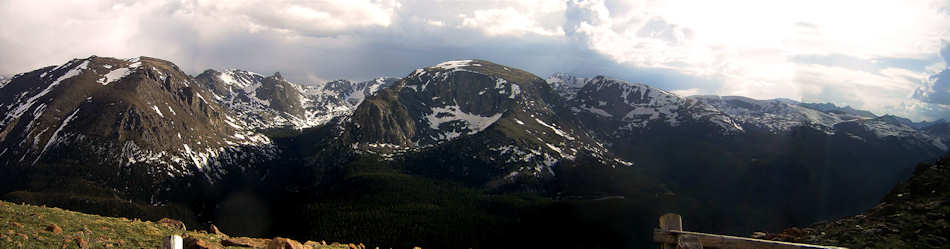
x=24 y=226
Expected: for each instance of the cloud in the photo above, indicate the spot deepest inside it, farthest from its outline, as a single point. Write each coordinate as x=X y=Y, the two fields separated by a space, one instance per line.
x=506 y=21
x=936 y=87
x=801 y=50
x=936 y=90
x=945 y=52
x=688 y=92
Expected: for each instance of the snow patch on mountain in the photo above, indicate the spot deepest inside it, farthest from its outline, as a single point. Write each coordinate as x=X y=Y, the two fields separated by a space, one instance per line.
x=23 y=105
x=466 y=123
x=453 y=65
x=776 y=115
x=115 y=75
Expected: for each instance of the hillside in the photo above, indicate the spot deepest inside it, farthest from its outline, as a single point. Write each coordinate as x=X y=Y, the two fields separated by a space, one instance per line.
x=913 y=215
x=28 y=226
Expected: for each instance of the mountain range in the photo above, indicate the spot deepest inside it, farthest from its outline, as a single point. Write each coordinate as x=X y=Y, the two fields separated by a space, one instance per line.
x=485 y=126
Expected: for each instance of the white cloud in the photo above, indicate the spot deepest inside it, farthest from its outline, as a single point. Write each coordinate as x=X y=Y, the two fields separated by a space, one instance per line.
x=731 y=47
x=750 y=46
x=688 y=92
x=506 y=21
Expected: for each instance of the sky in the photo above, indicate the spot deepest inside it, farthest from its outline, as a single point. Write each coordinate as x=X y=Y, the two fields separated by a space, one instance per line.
x=889 y=57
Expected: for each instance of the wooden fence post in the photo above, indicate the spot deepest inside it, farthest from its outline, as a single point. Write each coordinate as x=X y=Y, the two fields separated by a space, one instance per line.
x=674 y=222
x=172 y=242
x=668 y=222
x=670 y=235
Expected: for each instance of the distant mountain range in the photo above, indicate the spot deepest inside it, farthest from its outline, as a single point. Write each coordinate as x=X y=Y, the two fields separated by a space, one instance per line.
x=481 y=124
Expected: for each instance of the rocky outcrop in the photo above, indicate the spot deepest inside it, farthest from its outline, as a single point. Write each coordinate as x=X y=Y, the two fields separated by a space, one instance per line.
x=913 y=215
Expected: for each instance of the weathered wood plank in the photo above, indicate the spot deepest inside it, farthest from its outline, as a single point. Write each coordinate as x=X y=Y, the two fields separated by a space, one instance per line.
x=688 y=242
x=669 y=222
x=724 y=241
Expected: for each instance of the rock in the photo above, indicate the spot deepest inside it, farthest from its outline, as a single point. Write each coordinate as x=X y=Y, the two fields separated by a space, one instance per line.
x=283 y=243
x=214 y=230
x=245 y=242
x=53 y=228
x=172 y=223
x=352 y=246
x=15 y=225
x=759 y=235
x=312 y=244
x=195 y=243
x=793 y=231
x=82 y=243
x=23 y=236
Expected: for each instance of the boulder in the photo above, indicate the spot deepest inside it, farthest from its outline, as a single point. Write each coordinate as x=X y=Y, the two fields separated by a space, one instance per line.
x=195 y=243
x=53 y=228
x=82 y=243
x=245 y=242
x=284 y=243
x=172 y=223
x=214 y=230
x=312 y=244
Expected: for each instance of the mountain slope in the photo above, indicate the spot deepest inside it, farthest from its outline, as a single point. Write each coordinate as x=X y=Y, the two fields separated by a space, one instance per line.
x=716 y=148
x=506 y=120
x=913 y=215
x=781 y=115
x=121 y=112
x=272 y=102
x=260 y=102
x=616 y=108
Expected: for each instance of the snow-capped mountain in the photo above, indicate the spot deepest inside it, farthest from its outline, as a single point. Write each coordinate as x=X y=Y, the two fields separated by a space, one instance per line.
x=890 y=127
x=496 y=114
x=106 y=111
x=775 y=115
x=614 y=107
x=782 y=115
x=271 y=101
x=340 y=97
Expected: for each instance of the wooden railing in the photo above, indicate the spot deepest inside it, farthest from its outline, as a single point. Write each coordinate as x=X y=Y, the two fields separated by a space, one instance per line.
x=670 y=235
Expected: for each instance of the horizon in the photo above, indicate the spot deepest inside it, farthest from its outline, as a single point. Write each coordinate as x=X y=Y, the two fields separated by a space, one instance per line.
x=807 y=51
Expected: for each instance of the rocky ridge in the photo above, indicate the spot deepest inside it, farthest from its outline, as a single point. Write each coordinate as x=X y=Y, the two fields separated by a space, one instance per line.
x=123 y=112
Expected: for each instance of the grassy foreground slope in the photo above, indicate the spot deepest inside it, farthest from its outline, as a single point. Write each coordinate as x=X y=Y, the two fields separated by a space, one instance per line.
x=28 y=226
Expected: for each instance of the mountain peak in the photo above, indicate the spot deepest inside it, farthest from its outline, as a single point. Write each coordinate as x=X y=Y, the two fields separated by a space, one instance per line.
x=137 y=110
